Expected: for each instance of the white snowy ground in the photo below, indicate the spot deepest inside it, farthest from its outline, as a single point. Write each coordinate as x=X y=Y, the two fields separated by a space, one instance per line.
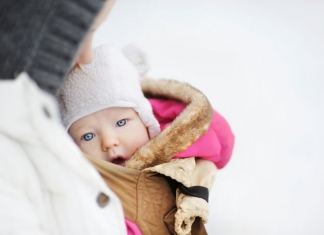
x=261 y=64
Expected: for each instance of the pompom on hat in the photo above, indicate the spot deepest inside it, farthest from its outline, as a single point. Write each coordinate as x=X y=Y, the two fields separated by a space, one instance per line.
x=112 y=79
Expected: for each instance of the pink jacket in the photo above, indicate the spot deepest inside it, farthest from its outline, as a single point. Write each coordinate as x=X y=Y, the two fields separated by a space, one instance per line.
x=216 y=145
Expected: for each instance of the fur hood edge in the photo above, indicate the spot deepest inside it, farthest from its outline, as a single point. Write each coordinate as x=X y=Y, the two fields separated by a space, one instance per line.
x=184 y=131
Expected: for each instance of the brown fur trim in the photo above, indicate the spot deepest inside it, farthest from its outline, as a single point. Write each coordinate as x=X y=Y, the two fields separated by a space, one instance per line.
x=192 y=123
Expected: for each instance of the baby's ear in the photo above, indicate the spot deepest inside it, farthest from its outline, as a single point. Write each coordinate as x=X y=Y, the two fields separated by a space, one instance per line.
x=136 y=55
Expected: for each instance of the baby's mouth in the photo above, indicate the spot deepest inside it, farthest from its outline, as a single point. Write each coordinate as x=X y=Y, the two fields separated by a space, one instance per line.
x=119 y=161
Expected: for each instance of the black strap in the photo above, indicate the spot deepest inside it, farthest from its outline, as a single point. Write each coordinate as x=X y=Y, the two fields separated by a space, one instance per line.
x=173 y=184
x=195 y=191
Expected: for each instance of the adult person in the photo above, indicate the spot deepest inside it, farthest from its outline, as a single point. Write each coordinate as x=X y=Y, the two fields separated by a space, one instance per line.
x=46 y=184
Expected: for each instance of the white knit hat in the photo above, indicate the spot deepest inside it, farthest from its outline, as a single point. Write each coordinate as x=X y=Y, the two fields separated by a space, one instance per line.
x=111 y=80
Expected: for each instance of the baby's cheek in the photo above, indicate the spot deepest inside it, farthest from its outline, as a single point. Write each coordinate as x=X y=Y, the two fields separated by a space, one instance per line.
x=83 y=149
x=141 y=141
x=86 y=148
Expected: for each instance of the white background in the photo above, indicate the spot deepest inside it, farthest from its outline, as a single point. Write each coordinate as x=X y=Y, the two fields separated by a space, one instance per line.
x=261 y=64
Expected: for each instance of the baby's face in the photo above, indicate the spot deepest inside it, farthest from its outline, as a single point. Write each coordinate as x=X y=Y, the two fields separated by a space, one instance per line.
x=112 y=134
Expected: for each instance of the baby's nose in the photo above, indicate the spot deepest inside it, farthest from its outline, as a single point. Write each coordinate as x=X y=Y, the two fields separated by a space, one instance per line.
x=109 y=141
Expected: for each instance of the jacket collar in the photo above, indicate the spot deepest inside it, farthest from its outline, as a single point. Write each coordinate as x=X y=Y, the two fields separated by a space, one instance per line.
x=30 y=116
x=23 y=107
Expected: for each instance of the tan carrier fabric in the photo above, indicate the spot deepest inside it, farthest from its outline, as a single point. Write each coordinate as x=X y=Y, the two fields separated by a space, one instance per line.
x=146 y=197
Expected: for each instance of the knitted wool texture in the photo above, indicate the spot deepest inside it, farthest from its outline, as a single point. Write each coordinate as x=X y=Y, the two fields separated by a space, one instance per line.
x=42 y=37
x=111 y=80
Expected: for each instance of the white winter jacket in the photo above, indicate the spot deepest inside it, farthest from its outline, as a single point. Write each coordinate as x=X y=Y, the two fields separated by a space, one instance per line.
x=46 y=185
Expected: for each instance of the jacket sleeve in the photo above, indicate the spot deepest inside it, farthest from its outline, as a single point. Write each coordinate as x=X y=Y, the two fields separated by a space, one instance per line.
x=18 y=213
x=189 y=172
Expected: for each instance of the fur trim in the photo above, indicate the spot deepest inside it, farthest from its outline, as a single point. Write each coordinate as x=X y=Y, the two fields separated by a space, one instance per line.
x=185 y=130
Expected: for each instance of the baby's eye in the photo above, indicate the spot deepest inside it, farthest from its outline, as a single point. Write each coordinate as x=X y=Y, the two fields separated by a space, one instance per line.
x=88 y=137
x=121 y=122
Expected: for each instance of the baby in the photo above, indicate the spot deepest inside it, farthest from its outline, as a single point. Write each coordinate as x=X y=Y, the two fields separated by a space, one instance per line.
x=112 y=134
x=107 y=115
x=105 y=111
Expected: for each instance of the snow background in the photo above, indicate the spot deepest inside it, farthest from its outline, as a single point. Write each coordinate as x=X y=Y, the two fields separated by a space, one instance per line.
x=261 y=64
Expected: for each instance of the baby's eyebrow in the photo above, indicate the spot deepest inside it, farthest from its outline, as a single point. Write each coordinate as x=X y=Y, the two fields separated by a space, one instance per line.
x=79 y=130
